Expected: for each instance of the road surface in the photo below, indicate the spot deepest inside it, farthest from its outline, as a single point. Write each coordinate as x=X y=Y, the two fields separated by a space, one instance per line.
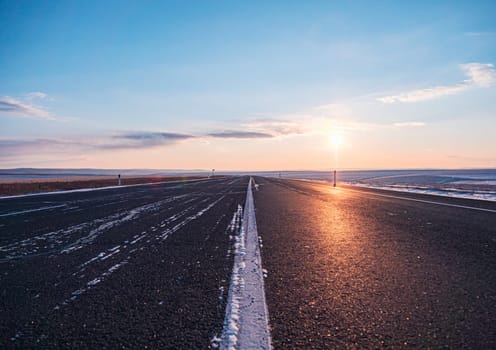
x=150 y=267
x=358 y=268
x=134 y=267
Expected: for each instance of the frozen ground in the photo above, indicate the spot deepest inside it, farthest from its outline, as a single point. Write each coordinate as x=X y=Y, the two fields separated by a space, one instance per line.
x=472 y=184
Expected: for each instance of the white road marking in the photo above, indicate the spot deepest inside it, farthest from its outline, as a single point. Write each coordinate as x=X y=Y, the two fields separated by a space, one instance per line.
x=33 y=210
x=246 y=324
x=421 y=200
x=100 y=188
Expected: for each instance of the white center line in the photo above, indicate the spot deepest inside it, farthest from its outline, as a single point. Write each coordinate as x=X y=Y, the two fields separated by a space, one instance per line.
x=246 y=324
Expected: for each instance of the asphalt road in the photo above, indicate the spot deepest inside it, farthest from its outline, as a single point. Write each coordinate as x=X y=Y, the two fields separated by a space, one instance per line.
x=358 y=268
x=150 y=267
x=134 y=267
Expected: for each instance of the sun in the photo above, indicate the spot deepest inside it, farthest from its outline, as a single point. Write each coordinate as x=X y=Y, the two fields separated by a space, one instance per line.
x=336 y=138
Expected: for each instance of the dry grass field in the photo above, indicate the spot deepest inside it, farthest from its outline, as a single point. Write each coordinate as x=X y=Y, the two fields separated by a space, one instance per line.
x=11 y=187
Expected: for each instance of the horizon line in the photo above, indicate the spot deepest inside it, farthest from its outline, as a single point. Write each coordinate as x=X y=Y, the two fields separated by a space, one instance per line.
x=250 y=170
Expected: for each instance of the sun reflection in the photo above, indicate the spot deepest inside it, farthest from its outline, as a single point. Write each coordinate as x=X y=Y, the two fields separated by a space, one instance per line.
x=338 y=232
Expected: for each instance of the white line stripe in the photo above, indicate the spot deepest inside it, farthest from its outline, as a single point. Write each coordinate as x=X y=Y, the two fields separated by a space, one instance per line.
x=421 y=200
x=99 y=188
x=33 y=210
x=246 y=324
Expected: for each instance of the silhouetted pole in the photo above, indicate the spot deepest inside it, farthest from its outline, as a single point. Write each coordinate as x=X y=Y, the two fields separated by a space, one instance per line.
x=213 y=172
x=119 y=180
x=334 y=178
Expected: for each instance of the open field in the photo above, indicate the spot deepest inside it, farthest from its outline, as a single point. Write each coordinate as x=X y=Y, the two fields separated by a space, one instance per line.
x=11 y=187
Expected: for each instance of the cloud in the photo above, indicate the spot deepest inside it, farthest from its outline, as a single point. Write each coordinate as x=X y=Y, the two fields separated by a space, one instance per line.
x=36 y=95
x=10 y=146
x=14 y=149
x=425 y=94
x=478 y=75
x=275 y=127
x=409 y=124
x=234 y=134
x=335 y=110
x=11 y=106
x=134 y=140
x=480 y=33
x=142 y=139
x=161 y=136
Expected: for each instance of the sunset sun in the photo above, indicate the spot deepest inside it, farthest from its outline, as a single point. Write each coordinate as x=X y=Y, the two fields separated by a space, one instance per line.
x=336 y=138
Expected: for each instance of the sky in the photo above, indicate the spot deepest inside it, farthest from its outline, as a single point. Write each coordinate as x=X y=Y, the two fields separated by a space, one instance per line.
x=253 y=85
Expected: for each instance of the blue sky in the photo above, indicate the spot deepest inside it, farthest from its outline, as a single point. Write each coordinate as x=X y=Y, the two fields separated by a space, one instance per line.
x=241 y=85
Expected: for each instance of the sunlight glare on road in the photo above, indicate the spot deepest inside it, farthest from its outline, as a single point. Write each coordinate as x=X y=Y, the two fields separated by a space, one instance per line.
x=342 y=237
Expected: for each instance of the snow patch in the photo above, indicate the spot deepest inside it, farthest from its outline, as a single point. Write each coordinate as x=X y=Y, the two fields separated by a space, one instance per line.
x=446 y=192
x=75 y=294
x=173 y=229
x=120 y=218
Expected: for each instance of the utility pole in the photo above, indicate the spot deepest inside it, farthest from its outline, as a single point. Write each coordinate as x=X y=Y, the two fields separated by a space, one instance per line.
x=334 y=184
x=119 y=180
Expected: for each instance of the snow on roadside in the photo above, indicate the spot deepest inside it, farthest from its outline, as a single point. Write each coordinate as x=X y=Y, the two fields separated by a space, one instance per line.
x=423 y=189
x=231 y=322
x=452 y=193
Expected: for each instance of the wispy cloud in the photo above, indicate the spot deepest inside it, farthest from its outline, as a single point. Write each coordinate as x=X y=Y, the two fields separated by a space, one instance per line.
x=321 y=124
x=17 y=108
x=131 y=140
x=480 y=34
x=15 y=149
x=120 y=141
x=409 y=124
x=478 y=75
x=36 y=95
x=143 y=139
x=235 y=134
x=275 y=127
x=334 y=110
x=16 y=144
